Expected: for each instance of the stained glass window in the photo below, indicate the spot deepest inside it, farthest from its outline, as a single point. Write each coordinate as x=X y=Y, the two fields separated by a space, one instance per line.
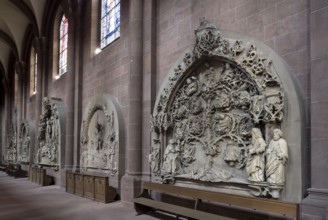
x=63 y=39
x=110 y=21
x=33 y=71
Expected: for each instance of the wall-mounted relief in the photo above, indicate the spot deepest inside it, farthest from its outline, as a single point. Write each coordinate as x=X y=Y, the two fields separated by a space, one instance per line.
x=11 y=151
x=213 y=119
x=51 y=134
x=102 y=148
x=24 y=143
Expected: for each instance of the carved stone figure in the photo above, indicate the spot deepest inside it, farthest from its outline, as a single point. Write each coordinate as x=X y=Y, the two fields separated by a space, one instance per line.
x=276 y=159
x=255 y=158
x=154 y=156
x=171 y=162
x=192 y=86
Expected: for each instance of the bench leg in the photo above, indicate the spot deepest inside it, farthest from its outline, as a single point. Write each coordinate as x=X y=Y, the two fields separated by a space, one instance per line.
x=198 y=203
x=141 y=209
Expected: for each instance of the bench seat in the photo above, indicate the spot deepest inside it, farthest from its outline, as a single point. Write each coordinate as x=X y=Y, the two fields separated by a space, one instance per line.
x=145 y=203
x=182 y=211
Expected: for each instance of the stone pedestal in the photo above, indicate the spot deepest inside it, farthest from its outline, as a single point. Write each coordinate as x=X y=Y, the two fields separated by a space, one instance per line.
x=315 y=205
x=130 y=188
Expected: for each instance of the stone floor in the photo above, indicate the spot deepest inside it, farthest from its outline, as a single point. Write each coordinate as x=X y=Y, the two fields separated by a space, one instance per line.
x=21 y=199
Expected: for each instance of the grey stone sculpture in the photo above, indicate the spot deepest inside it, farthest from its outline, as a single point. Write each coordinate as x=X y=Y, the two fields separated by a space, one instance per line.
x=277 y=158
x=24 y=143
x=100 y=136
x=211 y=112
x=11 y=153
x=255 y=158
x=49 y=138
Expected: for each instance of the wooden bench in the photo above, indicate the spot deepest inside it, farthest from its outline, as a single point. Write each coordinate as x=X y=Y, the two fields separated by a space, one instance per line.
x=144 y=203
x=3 y=167
x=16 y=171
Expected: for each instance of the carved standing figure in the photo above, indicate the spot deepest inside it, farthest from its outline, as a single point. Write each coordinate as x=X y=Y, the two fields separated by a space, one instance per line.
x=255 y=159
x=276 y=158
x=171 y=163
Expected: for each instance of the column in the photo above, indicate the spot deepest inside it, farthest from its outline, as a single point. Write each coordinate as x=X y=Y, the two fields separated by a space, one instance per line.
x=149 y=78
x=131 y=183
x=40 y=47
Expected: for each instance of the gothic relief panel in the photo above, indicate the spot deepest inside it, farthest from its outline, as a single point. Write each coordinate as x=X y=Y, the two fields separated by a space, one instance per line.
x=24 y=143
x=211 y=118
x=100 y=137
x=11 y=151
x=50 y=137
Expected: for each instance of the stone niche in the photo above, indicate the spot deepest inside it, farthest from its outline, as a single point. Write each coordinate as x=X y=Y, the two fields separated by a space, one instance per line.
x=51 y=135
x=228 y=119
x=102 y=139
x=24 y=143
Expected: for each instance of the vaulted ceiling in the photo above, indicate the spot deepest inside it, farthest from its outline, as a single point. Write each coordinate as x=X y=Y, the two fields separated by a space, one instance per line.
x=17 y=17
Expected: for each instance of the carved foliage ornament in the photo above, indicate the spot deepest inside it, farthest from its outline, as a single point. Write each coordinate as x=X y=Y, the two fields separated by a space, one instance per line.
x=48 y=150
x=203 y=120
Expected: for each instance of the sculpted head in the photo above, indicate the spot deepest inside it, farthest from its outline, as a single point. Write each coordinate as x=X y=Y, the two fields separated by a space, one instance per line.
x=256 y=133
x=277 y=134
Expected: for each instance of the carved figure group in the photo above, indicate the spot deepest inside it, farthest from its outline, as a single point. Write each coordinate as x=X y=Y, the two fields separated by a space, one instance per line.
x=171 y=160
x=48 y=136
x=99 y=140
x=267 y=163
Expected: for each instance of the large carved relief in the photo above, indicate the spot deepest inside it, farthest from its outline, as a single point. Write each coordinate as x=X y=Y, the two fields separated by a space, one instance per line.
x=24 y=143
x=100 y=142
x=11 y=151
x=210 y=117
x=48 y=152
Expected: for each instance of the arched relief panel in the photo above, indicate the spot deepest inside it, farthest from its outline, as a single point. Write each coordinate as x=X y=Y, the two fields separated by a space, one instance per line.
x=25 y=141
x=228 y=118
x=51 y=134
x=102 y=138
x=10 y=154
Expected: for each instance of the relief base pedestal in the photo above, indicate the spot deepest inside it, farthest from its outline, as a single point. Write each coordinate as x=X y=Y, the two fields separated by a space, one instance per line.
x=315 y=205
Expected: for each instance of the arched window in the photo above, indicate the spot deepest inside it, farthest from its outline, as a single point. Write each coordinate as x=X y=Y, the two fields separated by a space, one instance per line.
x=110 y=21
x=33 y=71
x=63 y=40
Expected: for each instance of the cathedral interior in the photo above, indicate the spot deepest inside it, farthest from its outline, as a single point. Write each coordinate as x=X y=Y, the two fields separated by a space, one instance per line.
x=163 y=109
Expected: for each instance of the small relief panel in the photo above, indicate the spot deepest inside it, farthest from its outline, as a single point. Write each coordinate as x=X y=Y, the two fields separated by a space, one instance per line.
x=100 y=137
x=24 y=143
x=211 y=117
x=11 y=150
x=49 y=149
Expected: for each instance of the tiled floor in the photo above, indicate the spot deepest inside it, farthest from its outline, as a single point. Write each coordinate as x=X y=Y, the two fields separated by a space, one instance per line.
x=21 y=199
